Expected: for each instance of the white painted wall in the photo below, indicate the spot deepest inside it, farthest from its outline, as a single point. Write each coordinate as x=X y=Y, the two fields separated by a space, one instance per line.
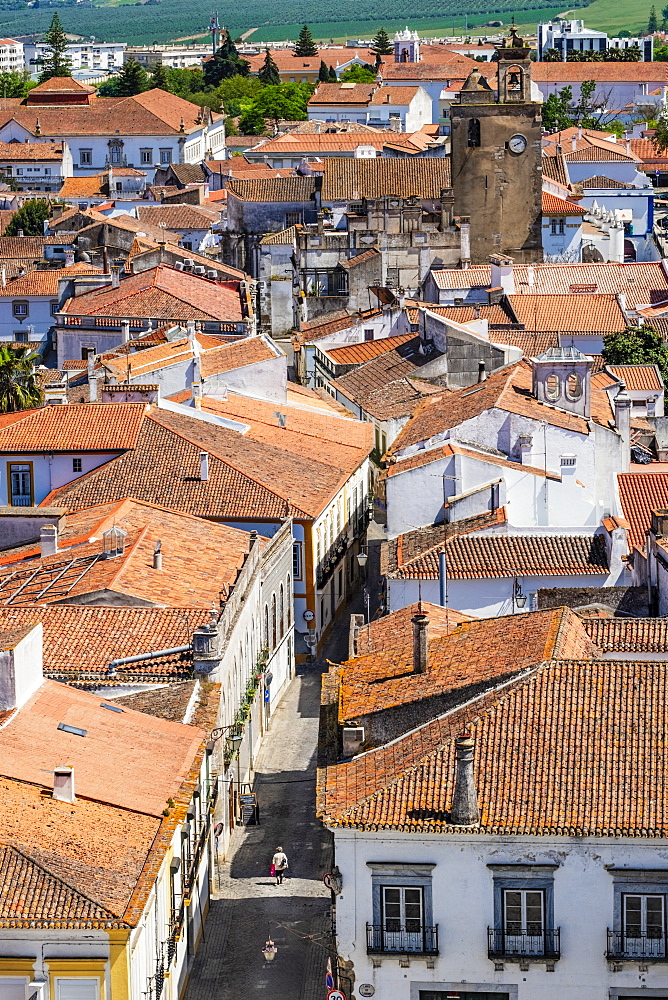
x=464 y=908
x=50 y=471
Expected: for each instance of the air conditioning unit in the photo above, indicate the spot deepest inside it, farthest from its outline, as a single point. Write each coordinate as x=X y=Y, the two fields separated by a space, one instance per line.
x=178 y=266
x=213 y=275
x=200 y=270
x=353 y=738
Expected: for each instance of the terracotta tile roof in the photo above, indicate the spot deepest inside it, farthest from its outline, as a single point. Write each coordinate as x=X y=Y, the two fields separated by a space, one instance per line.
x=530 y=342
x=150 y=359
x=176 y=217
x=43 y=282
x=566 y=314
x=496 y=315
x=247 y=478
x=285 y=238
x=357 y=354
x=32 y=893
x=341 y=93
x=396 y=629
x=552 y=205
x=648 y=152
x=200 y=559
x=62 y=85
x=332 y=322
x=238 y=354
x=604 y=72
x=598 y=154
x=21 y=247
x=638 y=377
x=628 y=635
x=151 y=759
x=335 y=56
x=639 y=494
x=492 y=557
x=93 y=186
x=272 y=189
x=453 y=68
x=106 y=427
x=360 y=258
x=167 y=701
x=17 y=152
x=383 y=387
x=80 y=642
x=642 y=282
x=557 y=729
x=324 y=143
x=90 y=854
x=554 y=169
x=394 y=95
x=599 y=183
x=467 y=657
x=349 y=179
x=508 y=389
x=337 y=439
x=162 y=293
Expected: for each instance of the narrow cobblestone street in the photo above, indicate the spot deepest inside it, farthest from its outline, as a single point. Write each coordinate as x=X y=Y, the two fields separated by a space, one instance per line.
x=248 y=905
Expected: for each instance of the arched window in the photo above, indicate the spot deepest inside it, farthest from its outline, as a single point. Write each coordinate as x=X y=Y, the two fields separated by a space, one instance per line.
x=552 y=386
x=266 y=626
x=514 y=77
x=404 y=55
x=573 y=386
x=474 y=132
x=273 y=620
x=281 y=612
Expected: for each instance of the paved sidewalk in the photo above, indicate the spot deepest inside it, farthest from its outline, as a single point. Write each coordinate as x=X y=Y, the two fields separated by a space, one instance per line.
x=229 y=964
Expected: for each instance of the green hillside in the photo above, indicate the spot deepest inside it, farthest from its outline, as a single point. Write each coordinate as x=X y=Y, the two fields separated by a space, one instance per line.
x=618 y=15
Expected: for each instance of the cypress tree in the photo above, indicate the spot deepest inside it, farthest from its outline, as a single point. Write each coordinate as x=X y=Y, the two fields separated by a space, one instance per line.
x=132 y=79
x=160 y=78
x=333 y=78
x=55 y=63
x=305 y=46
x=225 y=63
x=323 y=72
x=269 y=74
x=652 y=23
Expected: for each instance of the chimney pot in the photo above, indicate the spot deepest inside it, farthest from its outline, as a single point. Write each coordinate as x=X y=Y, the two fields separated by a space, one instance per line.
x=48 y=540
x=482 y=372
x=63 y=784
x=204 y=466
x=157 y=555
x=115 y=276
x=92 y=386
x=420 y=644
x=464 y=810
x=125 y=329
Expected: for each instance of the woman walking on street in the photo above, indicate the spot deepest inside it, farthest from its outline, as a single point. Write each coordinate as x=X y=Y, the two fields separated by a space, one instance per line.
x=279 y=865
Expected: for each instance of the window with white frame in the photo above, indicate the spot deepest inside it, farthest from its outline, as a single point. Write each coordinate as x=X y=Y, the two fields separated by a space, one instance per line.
x=401 y=918
x=524 y=911
x=85 y=157
x=557 y=226
x=20 y=309
x=165 y=156
x=146 y=156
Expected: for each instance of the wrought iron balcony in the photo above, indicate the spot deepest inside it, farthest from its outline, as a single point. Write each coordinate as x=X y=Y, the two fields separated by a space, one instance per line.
x=420 y=940
x=646 y=947
x=501 y=944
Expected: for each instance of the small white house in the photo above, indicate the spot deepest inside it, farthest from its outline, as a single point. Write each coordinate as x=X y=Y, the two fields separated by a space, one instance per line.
x=404 y=109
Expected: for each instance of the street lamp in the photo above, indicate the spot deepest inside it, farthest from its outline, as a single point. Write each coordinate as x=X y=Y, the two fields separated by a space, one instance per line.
x=362 y=557
x=233 y=741
x=519 y=598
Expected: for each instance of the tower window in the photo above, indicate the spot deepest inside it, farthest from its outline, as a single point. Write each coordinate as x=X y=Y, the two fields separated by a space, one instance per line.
x=474 y=132
x=573 y=386
x=514 y=80
x=552 y=386
x=558 y=227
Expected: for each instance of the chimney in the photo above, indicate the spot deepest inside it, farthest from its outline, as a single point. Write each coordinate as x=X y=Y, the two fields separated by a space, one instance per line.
x=48 y=540
x=502 y=275
x=464 y=810
x=115 y=276
x=482 y=372
x=157 y=555
x=196 y=395
x=465 y=242
x=63 y=784
x=628 y=147
x=420 y=644
x=204 y=466
x=574 y=143
x=92 y=389
x=191 y=332
x=623 y=424
x=125 y=331
x=90 y=363
x=579 y=131
x=19 y=233
x=69 y=258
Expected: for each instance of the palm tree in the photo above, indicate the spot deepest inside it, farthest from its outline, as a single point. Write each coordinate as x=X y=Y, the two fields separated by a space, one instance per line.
x=19 y=389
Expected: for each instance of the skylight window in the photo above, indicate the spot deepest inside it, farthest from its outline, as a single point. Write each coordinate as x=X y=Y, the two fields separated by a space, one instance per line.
x=72 y=729
x=112 y=708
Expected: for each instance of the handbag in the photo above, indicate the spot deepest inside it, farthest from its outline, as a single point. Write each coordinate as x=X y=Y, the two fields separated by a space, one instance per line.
x=272 y=870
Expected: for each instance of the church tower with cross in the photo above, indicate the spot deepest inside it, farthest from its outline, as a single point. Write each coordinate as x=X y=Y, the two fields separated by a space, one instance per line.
x=496 y=158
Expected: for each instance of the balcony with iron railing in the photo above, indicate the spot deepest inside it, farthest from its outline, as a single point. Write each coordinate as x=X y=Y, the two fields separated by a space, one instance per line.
x=641 y=947
x=416 y=939
x=524 y=946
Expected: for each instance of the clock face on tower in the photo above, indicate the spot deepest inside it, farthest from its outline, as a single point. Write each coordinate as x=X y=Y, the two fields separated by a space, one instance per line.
x=517 y=144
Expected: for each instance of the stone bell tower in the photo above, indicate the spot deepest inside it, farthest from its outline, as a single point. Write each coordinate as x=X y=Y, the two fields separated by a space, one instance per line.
x=496 y=159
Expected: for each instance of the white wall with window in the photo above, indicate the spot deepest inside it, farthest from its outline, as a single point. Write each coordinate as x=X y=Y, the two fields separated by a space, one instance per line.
x=471 y=917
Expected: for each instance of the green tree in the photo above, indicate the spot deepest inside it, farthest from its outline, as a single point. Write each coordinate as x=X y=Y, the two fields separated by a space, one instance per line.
x=55 y=62
x=252 y=122
x=19 y=389
x=323 y=72
x=185 y=81
x=29 y=219
x=109 y=88
x=160 y=78
x=552 y=55
x=132 y=79
x=225 y=63
x=358 y=74
x=285 y=102
x=15 y=84
x=268 y=74
x=652 y=23
x=664 y=14
x=333 y=78
x=637 y=346
x=381 y=44
x=305 y=46
x=556 y=110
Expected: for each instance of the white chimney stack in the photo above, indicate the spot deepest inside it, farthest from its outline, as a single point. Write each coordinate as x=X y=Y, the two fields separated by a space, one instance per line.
x=48 y=540
x=157 y=555
x=204 y=466
x=125 y=331
x=63 y=784
x=92 y=389
x=115 y=276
